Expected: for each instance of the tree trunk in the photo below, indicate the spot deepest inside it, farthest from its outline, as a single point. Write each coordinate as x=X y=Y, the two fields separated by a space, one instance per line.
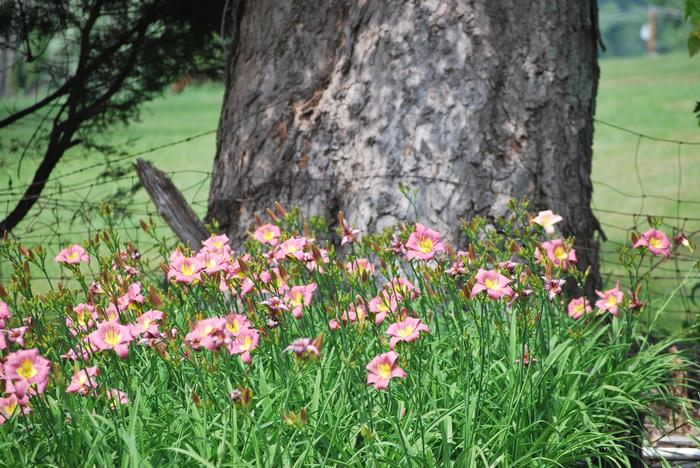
x=332 y=105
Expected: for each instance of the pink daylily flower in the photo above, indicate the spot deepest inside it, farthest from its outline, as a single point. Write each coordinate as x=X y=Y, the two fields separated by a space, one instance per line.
x=112 y=335
x=553 y=286
x=185 y=269
x=16 y=335
x=73 y=255
x=547 y=220
x=85 y=317
x=116 y=397
x=4 y=314
x=382 y=369
x=578 y=308
x=148 y=323
x=132 y=296
x=610 y=300
x=10 y=406
x=559 y=253
x=208 y=333
x=217 y=244
x=493 y=282
x=84 y=381
x=28 y=367
x=300 y=296
x=293 y=247
x=407 y=330
x=268 y=234
x=236 y=323
x=381 y=306
x=360 y=265
x=423 y=243
x=245 y=342
x=655 y=241
x=303 y=348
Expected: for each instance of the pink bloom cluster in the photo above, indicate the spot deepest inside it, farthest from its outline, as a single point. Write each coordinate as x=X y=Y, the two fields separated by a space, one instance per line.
x=234 y=331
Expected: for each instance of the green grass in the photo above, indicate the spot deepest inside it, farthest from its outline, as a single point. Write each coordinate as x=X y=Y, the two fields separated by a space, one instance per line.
x=651 y=95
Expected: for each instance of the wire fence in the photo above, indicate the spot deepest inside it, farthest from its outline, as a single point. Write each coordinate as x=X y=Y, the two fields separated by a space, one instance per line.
x=69 y=212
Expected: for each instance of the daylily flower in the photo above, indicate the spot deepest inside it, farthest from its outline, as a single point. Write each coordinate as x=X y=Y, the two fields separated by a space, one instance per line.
x=84 y=381
x=16 y=335
x=267 y=234
x=553 y=286
x=208 y=333
x=236 y=323
x=382 y=369
x=355 y=313
x=407 y=330
x=397 y=246
x=381 y=306
x=275 y=304
x=578 y=307
x=28 y=366
x=4 y=314
x=547 y=220
x=132 y=296
x=300 y=296
x=360 y=265
x=213 y=261
x=9 y=407
x=217 y=244
x=493 y=282
x=293 y=247
x=245 y=342
x=559 y=253
x=610 y=300
x=147 y=323
x=73 y=255
x=185 y=269
x=423 y=243
x=303 y=348
x=116 y=397
x=85 y=317
x=349 y=234
x=680 y=239
x=112 y=335
x=655 y=241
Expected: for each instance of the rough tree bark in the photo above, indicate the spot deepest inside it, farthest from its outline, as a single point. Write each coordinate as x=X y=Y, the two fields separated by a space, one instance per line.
x=329 y=106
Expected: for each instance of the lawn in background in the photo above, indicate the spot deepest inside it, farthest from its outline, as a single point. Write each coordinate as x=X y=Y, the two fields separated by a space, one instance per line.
x=653 y=96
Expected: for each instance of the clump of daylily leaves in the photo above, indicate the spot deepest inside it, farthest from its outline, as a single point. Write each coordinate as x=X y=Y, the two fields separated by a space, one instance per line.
x=312 y=346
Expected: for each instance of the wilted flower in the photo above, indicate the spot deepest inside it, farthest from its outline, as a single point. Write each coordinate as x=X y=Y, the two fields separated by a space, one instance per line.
x=16 y=335
x=382 y=369
x=423 y=243
x=73 y=255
